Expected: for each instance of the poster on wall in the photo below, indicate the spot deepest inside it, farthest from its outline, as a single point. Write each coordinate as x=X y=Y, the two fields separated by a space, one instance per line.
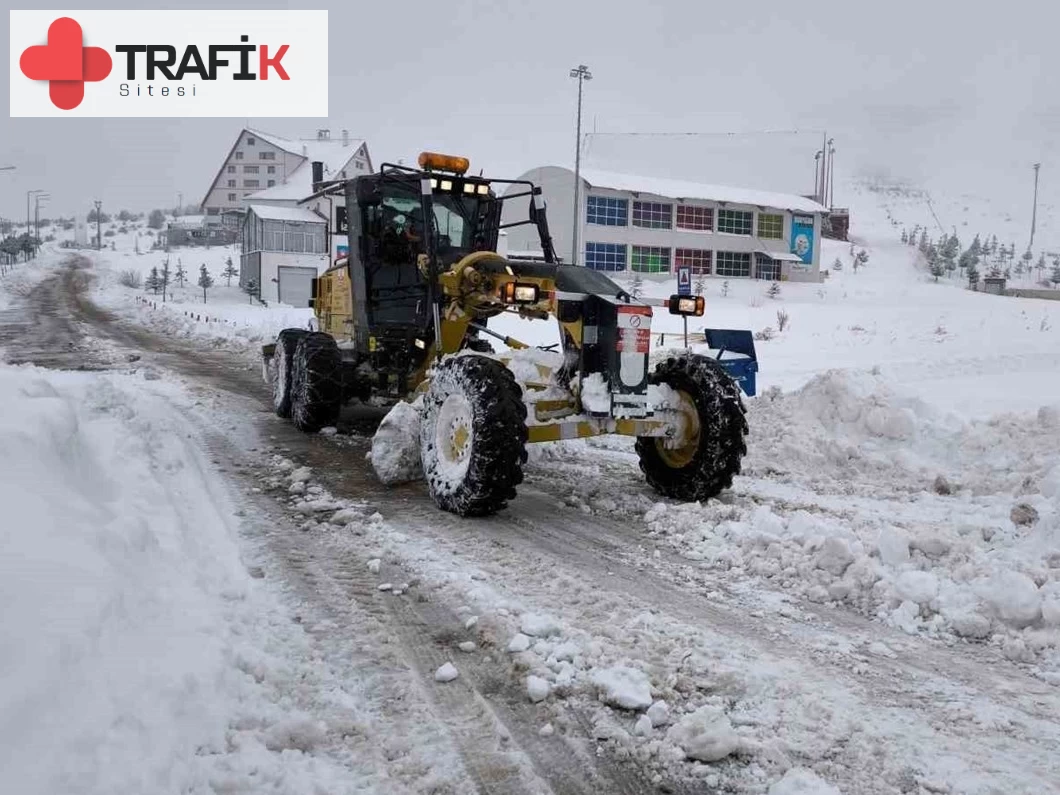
x=802 y=238
x=341 y=251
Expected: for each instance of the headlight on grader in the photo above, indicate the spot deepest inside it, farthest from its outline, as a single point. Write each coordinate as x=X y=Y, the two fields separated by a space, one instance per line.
x=516 y=293
x=687 y=305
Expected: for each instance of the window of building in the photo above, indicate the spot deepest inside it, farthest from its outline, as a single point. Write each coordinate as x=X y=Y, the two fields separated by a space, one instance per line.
x=250 y=141
x=239 y=155
x=231 y=197
x=701 y=219
x=652 y=215
x=733 y=263
x=735 y=222
x=771 y=226
x=231 y=169
x=360 y=165
x=606 y=211
x=266 y=155
x=650 y=259
x=766 y=267
x=605 y=256
x=251 y=183
x=697 y=258
x=272 y=182
x=231 y=183
x=271 y=169
x=250 y=169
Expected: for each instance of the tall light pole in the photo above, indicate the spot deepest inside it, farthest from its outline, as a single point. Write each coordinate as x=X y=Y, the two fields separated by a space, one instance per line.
x=28 y=194
x=831 y=175
x=36 y=218
x=582 y=74
x=1034 y=212
x=817 y=174
x=99 y=225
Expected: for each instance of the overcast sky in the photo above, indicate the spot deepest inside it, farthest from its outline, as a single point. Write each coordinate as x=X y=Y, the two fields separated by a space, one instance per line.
x=938 y=92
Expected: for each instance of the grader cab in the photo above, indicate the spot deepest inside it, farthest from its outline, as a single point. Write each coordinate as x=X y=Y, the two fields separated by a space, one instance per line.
x=406 y=316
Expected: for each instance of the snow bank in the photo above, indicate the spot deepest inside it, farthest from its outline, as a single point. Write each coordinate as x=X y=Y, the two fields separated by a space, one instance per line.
x=870 y=527
x=802 y=781
x=132 y=639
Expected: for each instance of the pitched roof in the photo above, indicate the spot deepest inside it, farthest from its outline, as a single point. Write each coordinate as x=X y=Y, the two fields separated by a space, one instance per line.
x=679 y=189
x=299 y=183
x=271 y=212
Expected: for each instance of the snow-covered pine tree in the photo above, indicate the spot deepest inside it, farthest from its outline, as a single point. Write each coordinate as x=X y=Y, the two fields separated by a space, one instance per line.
x=905 y=236
x=180 y=275
x=1054 y=277
x=251 y=289
x=977 y=247
x=837 y=265
x=973 y=277
x=229 y=272
x=774 y=290
x=164 y=279
x=937 y=268
x=923 y=241
x=701 y=284
x=153 y=281
x=205 y=280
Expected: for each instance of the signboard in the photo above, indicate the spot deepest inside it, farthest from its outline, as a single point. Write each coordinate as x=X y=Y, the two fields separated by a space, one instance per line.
x=802 y=238
x=684 y=280
x=341 y=225
x=342 y=251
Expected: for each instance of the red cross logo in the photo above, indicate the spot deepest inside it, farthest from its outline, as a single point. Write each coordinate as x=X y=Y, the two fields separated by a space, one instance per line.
x=65 y=63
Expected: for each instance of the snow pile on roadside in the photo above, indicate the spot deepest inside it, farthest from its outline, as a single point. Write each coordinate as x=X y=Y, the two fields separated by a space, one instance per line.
x=921 y=519
x=138 y=654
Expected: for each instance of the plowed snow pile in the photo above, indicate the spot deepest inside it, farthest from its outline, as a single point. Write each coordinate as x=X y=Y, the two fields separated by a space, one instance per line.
x=874 y=499
x=137 y=653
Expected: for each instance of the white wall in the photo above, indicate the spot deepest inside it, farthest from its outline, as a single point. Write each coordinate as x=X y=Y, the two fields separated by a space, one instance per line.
x=557 y=186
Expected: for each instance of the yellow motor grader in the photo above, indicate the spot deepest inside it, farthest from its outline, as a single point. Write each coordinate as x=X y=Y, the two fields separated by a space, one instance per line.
x=406 y=314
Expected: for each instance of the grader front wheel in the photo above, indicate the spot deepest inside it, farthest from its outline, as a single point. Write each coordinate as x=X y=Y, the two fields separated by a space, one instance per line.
x=473 y=435
x=704 y=459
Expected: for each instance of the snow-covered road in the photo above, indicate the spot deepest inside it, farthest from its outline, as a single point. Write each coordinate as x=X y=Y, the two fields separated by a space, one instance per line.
x=835 y=613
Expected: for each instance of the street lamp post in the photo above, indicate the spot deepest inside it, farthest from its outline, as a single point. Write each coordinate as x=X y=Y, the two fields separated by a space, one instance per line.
x=831 y=175
x=1034 y=211
x=582 y=74
x=36 y=218
x=817 y=174
x=99 y=225
x=30 y=193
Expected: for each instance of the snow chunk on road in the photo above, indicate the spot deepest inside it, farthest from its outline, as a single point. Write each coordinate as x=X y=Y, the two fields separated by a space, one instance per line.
x=447 y=673
x=301 y=475
x=643 y=727
x=539 y=626
x=519 y=643
x=299 y=734
x=537 y=688
x=373 y=565
x=705 y=735
x=395 y=453
x=893 y=546
x=659 y=713
x=802 y=781
x=834 y=556
x=917 y=586
x=623 y=686
x=1015 y=597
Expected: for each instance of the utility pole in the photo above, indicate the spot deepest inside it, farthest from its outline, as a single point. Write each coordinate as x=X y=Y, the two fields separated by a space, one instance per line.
x=180 y=203
x=831 y=175
x=99 y=225
x=28 y=218
x=582 y=74
x=817 y=174
x=36 y=219
x=1034 y=212
x=824 y=167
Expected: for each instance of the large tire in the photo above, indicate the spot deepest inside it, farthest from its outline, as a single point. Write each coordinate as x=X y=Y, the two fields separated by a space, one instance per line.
x=283 y=365
x=473 y=435
x=316 y=382
x=707 y=463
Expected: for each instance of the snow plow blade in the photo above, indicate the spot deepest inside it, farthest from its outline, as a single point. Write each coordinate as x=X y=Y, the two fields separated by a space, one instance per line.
x=735 y=351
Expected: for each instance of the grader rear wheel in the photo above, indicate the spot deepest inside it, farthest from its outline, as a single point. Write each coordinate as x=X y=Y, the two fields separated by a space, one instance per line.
x=283 y=365
x=316 y=382
x=473 y=435
x=704 y=460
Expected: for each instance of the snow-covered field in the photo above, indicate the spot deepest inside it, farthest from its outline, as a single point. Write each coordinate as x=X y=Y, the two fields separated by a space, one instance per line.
x=874 y=607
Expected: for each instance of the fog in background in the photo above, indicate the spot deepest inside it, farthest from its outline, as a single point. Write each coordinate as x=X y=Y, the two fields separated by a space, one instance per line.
x=952 y=96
